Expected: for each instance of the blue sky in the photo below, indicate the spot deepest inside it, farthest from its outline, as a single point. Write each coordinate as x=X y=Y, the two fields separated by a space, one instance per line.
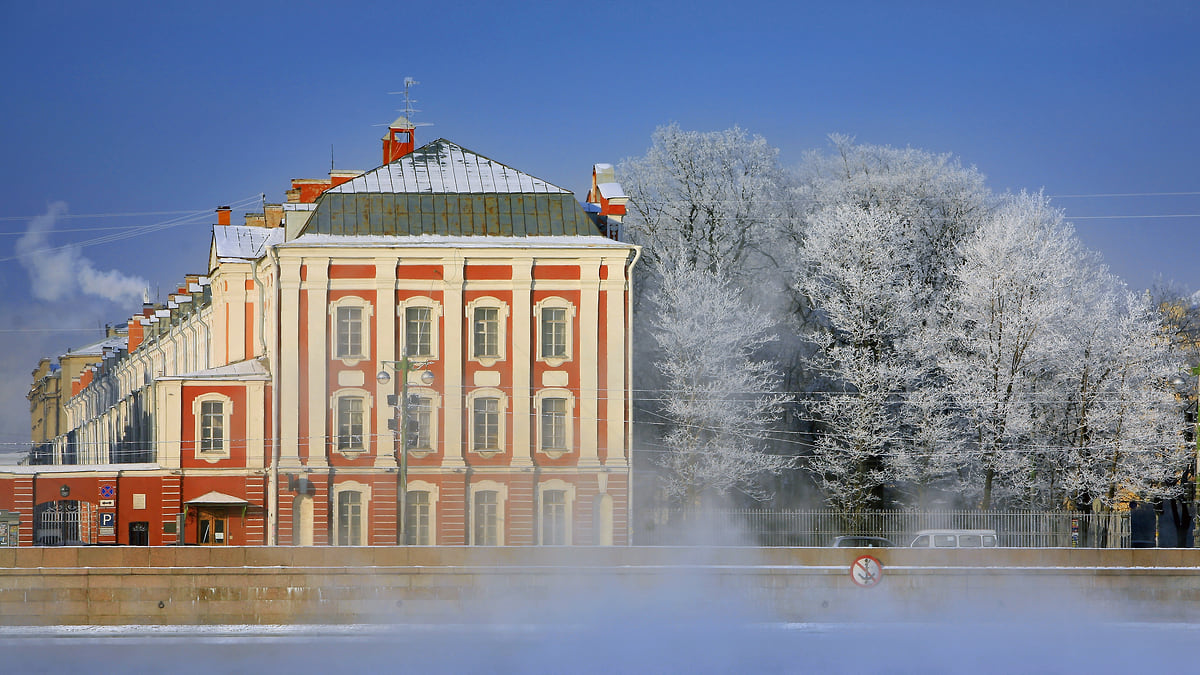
x=129 y=108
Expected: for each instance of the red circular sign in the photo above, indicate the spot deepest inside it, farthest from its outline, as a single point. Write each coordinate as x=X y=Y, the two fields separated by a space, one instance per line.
x=866 y=571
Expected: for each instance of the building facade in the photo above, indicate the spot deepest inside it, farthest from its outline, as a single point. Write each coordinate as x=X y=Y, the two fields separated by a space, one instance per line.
x=444 y=304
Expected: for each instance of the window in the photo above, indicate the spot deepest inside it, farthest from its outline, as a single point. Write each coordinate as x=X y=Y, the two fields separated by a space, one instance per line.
x=554 y=335
x=488 y=319
x=350 y=423
x=554 y=424
x=416 y=518
x=486 y=327
x=349 y=332
x=351 y=335
x=554 y=517
x=418 y=331
x=555 y=498
x=212 y=426
x=487 y=518
x=349 y=518
x=555 y=421
x=421 y=411
x=486 y=424
x=419 y=319
x=212 y=429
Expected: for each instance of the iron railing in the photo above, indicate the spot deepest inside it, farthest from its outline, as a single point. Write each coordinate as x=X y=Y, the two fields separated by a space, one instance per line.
x=759 y=527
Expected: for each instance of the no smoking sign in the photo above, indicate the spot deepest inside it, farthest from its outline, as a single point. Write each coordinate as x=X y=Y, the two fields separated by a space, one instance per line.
x=866 y=571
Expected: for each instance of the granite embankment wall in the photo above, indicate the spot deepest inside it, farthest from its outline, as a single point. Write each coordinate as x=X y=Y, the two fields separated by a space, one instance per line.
x=260 y=585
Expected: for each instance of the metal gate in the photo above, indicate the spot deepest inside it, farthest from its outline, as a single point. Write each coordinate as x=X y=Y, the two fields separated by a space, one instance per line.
x=64 y=522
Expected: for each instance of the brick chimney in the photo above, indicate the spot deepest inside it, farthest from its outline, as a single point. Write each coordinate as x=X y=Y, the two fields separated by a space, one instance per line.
x=223 y=215
x=399 y=140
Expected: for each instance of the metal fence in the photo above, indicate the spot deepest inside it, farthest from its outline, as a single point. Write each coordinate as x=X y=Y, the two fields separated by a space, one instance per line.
x=819 y=527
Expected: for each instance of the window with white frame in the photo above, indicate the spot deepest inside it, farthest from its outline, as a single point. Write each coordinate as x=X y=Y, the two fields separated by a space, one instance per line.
x=212 y=413
x=350 y=407
x=351 y=500
x=487 y=428
x=488 y=317
x=485 y=424
x=487 y=513
x=555 y=421
x=420 y=513
x=416 y=518
x=555 y=318
x=421 y=411
x=420 y=318
x=556 y=499
x=351 y=339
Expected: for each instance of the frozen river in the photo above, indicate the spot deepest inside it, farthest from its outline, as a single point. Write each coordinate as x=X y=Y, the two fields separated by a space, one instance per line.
x=630 y=646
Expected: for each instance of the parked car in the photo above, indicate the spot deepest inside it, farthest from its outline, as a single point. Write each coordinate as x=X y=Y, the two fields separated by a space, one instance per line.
x=861 y=541
x=955 y=539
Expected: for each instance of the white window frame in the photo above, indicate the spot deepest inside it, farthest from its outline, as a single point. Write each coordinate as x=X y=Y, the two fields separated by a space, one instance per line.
x=435 y=404
x=364 y=503
x=569 y=494
x=502 y=415
x=435 y=316
x=335 y=420
x=501 y=329
x=226 y=413
x=501 y=491
x=368 y=311
x=566 y=394
x=432 y=490
x=555 y=302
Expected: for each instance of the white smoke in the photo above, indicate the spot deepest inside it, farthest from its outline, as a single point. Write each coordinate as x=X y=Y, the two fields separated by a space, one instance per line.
x=58 y=272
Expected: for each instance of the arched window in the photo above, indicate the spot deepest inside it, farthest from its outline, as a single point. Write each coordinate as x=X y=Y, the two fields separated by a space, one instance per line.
x=487 y=336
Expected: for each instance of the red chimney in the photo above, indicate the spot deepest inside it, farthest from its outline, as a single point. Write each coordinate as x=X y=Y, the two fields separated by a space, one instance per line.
x=223 y=215
x=400 y=140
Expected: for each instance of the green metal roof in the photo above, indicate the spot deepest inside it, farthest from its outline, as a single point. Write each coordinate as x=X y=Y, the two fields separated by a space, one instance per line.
x=444 y=189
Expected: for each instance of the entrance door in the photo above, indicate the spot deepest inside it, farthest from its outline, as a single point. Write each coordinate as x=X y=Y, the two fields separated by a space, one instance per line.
x=139 y=534
x=212 y=528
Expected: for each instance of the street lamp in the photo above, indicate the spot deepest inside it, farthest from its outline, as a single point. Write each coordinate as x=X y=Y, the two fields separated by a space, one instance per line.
x=402 y=367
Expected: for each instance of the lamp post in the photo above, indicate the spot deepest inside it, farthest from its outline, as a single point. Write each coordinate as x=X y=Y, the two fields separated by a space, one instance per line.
x=402 y=367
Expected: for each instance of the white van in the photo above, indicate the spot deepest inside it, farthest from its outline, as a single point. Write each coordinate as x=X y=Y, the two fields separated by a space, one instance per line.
x=954 y=539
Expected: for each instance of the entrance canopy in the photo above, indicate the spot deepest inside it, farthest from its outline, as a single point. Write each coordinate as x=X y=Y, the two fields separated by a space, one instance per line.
x=215 y=498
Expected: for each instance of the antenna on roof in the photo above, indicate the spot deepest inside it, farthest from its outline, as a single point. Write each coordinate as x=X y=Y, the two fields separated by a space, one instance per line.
x=408 y=110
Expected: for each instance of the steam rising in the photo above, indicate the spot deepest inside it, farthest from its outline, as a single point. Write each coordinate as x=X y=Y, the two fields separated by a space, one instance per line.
x=58 y=273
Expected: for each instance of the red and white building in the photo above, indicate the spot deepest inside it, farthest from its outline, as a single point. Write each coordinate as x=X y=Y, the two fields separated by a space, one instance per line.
x=250 y=409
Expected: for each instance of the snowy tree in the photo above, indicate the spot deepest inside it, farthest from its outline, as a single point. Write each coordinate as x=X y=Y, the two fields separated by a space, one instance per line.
x=708 y=201
x=1010 y=299
x=718 y=400
x=850 y=274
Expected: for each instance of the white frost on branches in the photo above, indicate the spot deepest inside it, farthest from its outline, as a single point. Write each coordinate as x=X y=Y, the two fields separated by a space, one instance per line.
x=719 y=399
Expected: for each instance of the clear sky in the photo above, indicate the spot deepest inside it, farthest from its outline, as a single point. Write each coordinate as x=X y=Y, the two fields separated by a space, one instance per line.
x=136 y=108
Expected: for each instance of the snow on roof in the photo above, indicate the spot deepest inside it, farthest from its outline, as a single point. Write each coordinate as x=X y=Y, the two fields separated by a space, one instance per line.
x=242 y=370
x=97 y=348
x=442 y=167
x=446 y=241
x=241 y=242
x=611 y=190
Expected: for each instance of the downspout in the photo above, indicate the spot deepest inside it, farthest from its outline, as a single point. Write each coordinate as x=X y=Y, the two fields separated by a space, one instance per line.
x=637 y=254
x=273 y=365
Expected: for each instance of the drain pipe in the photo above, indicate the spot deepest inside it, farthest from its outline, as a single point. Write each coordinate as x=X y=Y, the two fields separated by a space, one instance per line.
x=273 y=367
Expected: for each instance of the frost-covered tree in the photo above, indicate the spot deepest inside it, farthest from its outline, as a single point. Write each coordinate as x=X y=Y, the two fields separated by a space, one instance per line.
x=718 y=399
x=852 y=273
x=705 y=200
x=1005 y=333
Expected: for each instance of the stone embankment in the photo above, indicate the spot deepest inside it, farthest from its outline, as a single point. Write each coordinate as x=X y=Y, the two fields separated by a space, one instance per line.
x=261 y=585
